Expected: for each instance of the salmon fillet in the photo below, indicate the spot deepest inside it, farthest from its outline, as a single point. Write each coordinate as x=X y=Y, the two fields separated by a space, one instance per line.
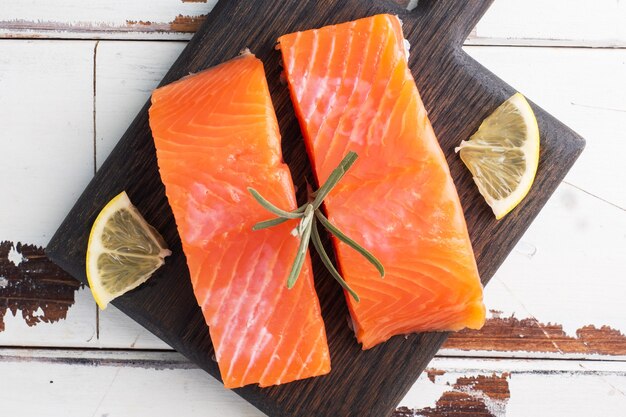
x=216 y=134
x=353 y=91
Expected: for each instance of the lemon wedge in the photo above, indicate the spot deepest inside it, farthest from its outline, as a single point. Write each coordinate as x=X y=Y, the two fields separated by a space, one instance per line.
x=503 y=154
x=123 y=251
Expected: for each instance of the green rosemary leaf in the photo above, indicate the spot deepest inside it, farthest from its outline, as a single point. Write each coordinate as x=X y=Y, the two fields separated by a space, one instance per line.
x=301 y=254
x=344 y=238
x=269 y=223
x=272 y=208
x=334 y=178
x=317 y=242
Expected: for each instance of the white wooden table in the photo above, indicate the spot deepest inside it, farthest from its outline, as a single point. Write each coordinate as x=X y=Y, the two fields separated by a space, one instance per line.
x=74 y=74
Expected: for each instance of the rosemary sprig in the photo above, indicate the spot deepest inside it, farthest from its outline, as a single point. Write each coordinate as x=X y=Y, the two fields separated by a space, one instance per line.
x=310 y=214
x=272 y=208
x=319 y=247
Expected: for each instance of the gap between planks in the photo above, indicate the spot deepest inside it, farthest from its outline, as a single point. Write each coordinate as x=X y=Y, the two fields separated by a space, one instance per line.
x=470 y=41
x=95 y=158
x=169 y=358
x=594 y=196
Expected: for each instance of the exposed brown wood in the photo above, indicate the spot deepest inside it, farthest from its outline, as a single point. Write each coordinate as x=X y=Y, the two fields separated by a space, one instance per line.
x=493 y=386
x=457 y=92
x=180 y=24
x=138 y=22
x=433 y=373
x=34 y=283
x=512 y=334
x=186 y=24
x=477 y=396
x=451 y=404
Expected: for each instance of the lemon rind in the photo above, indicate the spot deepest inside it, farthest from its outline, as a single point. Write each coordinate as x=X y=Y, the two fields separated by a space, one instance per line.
x=95 y=248
x=531 y=148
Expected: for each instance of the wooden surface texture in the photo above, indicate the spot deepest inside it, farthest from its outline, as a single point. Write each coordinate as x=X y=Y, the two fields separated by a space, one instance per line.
x=562 y=346
x=458 y=93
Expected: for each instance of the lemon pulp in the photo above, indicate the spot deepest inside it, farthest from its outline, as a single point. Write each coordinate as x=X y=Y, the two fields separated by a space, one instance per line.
x=123 y=251
x=503 y=154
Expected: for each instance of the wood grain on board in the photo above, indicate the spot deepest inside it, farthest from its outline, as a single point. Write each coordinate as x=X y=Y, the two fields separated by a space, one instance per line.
x=457 y=91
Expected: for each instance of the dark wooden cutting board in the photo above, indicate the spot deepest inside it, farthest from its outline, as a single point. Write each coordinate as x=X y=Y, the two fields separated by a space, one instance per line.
x=458 y=93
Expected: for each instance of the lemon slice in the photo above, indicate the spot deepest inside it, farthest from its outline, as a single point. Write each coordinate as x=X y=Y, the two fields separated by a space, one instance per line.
x=123 y=251
x=503 y=154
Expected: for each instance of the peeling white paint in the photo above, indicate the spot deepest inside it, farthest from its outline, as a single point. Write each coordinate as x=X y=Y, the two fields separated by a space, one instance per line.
x=426 y=393
x=562 y=277
x=101 y=12
x=496 y=407
x=15 y=257
x=78 y=326
x=3 y=282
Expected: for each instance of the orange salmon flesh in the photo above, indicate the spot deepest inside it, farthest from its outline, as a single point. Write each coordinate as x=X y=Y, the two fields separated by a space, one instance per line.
x=216 y=134
x=352 y=90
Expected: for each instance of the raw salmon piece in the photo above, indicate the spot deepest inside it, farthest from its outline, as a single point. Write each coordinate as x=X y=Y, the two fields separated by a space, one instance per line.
x=353 y=91
x=216 y=134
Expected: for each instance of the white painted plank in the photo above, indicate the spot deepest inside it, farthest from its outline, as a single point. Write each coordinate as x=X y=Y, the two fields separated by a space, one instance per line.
x=531 y=22
x=45 y=163
x=78 y=383
x=572 y=257
x=115 y=385
x=554 y=22
x=586 y=90
x=537 y=388
x=119 y=331
x=49 y=160
x=127 y=72
x=46 y=160
x=115 y=19
x=568 y=269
